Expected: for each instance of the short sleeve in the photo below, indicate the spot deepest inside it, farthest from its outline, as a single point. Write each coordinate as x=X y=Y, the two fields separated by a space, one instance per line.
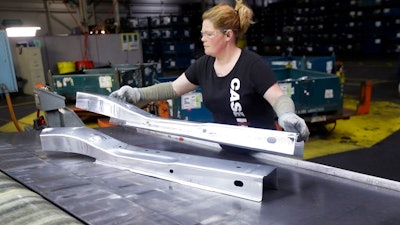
x=193 y=72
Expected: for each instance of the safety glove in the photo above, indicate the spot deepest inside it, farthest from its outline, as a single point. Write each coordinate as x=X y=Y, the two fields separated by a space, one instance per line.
x=287 y=118
x=127 y=94
x=293 y=123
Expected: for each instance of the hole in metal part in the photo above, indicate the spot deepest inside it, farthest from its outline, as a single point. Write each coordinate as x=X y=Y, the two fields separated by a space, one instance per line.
x=171 y=171
x=238 y=183
x=271 y=140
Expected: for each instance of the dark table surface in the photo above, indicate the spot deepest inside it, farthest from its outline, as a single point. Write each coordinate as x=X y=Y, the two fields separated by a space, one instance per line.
x=99 y=194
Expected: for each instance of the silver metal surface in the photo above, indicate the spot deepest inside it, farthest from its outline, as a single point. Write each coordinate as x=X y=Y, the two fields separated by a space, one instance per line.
x=278 y=142
x=240 y=179
x=56 y=113
x=46 y=100
x=332 y=171
x=99 y=194
x=296 y=163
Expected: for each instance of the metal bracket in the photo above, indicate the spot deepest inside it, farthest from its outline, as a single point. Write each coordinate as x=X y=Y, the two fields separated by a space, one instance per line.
x=57 y=114
x=240 y=179
x=278 y=142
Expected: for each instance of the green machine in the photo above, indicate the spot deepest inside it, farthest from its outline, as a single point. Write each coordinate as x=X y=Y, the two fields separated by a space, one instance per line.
x=104 y=80
x=312 y=92
x=100 y=83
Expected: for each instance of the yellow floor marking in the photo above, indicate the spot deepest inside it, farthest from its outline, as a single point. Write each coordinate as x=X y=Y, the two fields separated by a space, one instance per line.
x=25 y=121
x=361 y=131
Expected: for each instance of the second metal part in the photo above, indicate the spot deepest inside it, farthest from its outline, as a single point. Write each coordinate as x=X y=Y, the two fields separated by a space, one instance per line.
x=240 y=179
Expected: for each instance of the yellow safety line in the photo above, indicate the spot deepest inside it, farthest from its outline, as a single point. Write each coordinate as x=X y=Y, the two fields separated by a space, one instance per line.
x=25 y=121
x=360 y=131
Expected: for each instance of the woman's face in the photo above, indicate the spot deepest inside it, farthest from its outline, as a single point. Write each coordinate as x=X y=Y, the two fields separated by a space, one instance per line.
x=212 y=38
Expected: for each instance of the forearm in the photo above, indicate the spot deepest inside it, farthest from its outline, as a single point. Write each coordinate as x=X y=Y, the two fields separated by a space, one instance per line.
x=161 y=91
x=284 y=104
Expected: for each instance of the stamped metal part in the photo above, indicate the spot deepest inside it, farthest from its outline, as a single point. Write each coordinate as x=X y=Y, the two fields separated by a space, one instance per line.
x=272 y=141
x=240 y=179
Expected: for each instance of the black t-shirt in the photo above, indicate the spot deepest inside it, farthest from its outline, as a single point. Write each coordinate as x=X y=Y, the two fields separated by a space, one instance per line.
x=237 y=98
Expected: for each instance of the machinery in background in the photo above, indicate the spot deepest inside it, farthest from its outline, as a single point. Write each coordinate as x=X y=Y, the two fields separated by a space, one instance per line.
x=56 y=112
x=7 y=74
x=103 y=80
x=8 y=80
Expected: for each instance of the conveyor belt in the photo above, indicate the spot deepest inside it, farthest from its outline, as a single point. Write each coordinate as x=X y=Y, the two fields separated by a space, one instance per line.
x=98 y=194
x=19 y=205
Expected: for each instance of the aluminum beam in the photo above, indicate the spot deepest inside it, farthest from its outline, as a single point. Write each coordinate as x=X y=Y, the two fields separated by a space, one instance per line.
x=240 y=179
x=272 y=141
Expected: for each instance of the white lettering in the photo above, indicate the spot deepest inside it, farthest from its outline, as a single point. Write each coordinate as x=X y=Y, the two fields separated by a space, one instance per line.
x=236 y=107
x=234 y=96
x=238 y=114
x=235 y=84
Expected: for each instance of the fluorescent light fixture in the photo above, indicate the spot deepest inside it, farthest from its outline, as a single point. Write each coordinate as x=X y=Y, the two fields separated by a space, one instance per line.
x=22 y=31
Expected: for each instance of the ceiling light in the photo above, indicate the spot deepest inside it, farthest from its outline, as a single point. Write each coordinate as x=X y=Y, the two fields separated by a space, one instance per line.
x=22 y=31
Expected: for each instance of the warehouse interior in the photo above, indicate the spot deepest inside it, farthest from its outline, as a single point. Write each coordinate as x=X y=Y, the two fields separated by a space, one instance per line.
x=347 y=174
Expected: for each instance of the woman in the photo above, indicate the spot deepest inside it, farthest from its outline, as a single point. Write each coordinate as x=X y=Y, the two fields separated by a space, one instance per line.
x=237 y=85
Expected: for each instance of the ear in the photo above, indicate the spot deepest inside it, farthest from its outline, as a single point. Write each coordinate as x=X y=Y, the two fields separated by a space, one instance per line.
x=229 y=33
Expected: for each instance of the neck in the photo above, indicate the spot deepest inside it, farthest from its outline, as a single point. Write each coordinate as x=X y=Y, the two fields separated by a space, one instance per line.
x=225 y=62
x=227 y=55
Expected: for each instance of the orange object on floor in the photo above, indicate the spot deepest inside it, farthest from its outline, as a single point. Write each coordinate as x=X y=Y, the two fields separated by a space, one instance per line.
x=105 y=122
x=365 y=98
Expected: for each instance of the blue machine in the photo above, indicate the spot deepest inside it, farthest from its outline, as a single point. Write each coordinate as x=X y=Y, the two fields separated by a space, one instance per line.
x=7 y=74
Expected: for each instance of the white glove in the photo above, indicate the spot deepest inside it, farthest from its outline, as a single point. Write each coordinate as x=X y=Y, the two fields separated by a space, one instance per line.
x=293 y=123
x=127 y=94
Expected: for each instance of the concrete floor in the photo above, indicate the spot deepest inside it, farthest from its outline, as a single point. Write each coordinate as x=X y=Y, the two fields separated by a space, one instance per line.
x=23 y=106
x=367 y=130
x=367 y=144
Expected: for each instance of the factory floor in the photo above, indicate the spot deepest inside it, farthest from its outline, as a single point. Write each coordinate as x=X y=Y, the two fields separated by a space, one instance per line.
x=367 y=143
x=363 y=143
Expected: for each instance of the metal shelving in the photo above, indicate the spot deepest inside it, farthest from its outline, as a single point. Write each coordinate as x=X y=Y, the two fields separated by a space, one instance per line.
x=171 y=40
x=321 y=27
